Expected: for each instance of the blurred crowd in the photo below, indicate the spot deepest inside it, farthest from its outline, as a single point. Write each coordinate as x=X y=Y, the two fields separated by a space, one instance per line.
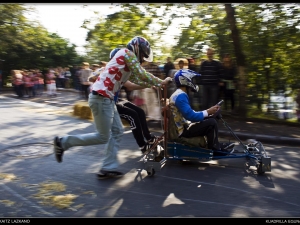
x=217 y=81
x=33 y=82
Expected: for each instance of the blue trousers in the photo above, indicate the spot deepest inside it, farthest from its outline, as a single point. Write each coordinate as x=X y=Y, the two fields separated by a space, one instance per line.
x=109 y=131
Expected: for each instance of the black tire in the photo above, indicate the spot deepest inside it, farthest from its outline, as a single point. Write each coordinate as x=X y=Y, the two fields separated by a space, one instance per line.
x=160 y=157
x=151 y=173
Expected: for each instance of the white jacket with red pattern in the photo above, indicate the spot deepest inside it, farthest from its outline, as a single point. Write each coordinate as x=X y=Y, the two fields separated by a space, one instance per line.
x=122 y=67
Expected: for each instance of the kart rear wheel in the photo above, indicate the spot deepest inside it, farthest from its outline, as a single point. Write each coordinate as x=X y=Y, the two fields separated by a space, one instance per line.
x=160 y=156
x=151 y=173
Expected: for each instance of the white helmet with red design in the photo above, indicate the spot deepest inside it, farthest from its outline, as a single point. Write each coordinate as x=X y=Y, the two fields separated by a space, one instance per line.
x=141 y=48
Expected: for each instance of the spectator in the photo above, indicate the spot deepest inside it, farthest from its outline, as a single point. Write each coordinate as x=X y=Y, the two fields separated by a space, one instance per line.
x=75 y=77
x=172 y=86
x=35 y=81
x=77 y=82
x=85 y=73
x=28 y=83
x=103 y=64
x=192 y=65
x=95 y=67
x=60 y=78
x=181 y=64
x=210 y=71
x=168 y=66
x=195 y=97
x=51 y=82
x=17 y=80
x=228 y=78
x=67 y=75
x=41 y=85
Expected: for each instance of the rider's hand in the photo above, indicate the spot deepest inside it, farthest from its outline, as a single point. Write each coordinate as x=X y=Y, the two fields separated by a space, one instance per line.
x=213 y=109
x=167 y=80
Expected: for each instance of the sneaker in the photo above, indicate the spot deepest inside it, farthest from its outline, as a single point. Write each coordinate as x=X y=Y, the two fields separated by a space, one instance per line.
x=146 y=149
x=58 y=150
x=103 y=174
x=226 y=146
x=153 y=140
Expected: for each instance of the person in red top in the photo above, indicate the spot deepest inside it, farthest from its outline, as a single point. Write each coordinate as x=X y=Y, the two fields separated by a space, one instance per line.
x=35 y=81
x=17 y=80
x=41 y=83
x=28 y=83
x=125 y=65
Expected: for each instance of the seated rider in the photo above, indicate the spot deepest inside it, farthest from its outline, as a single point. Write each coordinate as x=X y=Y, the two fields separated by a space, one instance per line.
x=192 y=123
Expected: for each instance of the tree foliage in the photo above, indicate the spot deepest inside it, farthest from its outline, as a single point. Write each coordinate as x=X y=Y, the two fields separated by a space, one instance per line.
x=25 y=44
x=116 y=31
x=262 y=38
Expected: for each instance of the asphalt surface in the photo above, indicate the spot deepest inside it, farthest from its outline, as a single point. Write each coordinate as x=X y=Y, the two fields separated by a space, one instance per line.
x=33 y=184
x=273 y=132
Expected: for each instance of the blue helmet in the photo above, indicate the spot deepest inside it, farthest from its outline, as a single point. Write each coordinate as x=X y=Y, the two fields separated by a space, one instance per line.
x=184 y=77
x=141 y=48
x=113 y=52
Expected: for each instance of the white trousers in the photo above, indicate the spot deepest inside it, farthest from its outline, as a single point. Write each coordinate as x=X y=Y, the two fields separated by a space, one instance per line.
x=151 y=101
x=51 y=89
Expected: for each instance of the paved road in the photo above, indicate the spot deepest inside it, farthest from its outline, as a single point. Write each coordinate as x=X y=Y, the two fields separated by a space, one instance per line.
x=271 y=133
x=33 y=184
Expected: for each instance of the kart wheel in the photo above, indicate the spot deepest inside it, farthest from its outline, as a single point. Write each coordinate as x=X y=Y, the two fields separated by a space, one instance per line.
x=151 y=173
x=259 y=169
x=160 y=156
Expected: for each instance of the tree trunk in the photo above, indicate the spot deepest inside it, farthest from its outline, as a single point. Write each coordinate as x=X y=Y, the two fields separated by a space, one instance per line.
x=240 y=59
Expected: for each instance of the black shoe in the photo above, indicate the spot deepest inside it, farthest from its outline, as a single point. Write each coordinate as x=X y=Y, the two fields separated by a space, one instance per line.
x=146 y=149
x=58 y=150
x=103 y=174
x=153 y=140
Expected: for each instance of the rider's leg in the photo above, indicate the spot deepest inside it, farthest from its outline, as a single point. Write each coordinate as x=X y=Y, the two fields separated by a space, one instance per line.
x=132 y=117
x=208 y=128
x=142 y=118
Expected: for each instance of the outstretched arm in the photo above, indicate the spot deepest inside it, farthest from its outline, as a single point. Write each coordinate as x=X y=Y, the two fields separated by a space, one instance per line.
x=132 y=86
